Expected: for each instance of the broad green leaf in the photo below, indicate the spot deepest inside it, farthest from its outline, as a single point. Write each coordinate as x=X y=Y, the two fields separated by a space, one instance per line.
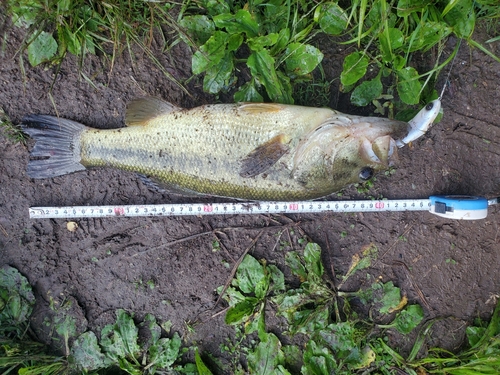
x=234 y=42
x=427 y=35
x=261 y=65
x=354 y=68
x=119 y=340
x=240 y=312
x=267 y=357
x=282 y=42
x=219 y=77
x=312 y=257
x=199 y=28
x=333 y=19
x=17 y=297
x=71 y=41
x=462 y=18
x=341 y=338
x=366 y=92
x=390 y=40
x=406 y=7
x=163 y=353
x=86 y=354
x=240 y=22
x=408 y=319
x=232 y=295
x=391 y=296
x=211 y=53
x=42 y=49
x=248 y=93
x=451 y=4
x=409 y=86
x=215 y=7
x=301 y=58
x=277 y=278
x=318 y=360
x=249 y=273
x=293 y=260
x=258 y=43
x=200 y=365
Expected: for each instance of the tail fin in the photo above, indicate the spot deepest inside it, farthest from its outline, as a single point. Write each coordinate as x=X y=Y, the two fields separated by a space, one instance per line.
x=57 y=147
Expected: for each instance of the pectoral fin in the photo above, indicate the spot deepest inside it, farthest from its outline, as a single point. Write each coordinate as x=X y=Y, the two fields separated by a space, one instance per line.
x=141 y=110
x=263 y=157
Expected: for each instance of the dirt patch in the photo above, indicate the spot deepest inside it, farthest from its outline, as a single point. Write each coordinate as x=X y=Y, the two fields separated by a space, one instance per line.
x=168 y=266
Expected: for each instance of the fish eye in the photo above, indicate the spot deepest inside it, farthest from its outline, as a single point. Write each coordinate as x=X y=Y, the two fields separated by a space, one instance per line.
x=366 y=173
x=429 y=106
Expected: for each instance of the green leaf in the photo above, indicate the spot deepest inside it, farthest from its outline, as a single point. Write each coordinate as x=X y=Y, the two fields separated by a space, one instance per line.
x=267 y=357
x=276 y=277
x=199 y=28
x=258 y=43
x=211 y=53
x=293 y=260
x=240 y=312
x=248 y=93
x=333 y=19
x=409 y=86
x=42 y=49
x=240 y=22
x=86 y=354
x=261 y=65
x=318 y=360
x=474 y=334
x=215 y=7
x=119 y=340
x=366 y=92
x=301 y=58
x=17 y=301
x=164 y=352
x=406 y=7
x=391 y=296
x=234 y=42
x=341 y=339
x=354 y=68
x=200 y=366
x=390 y=40
x=409 y=318
x=282 y=42
x=427 y=35
x=312 y=257
x=462 y=18
x=249 y=273
x=219 y=77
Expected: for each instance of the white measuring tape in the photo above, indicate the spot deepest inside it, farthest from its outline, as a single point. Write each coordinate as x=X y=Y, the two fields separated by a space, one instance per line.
x=453 y=207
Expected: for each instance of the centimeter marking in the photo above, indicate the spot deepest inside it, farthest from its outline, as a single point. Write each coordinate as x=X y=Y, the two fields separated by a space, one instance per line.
x=229 y=208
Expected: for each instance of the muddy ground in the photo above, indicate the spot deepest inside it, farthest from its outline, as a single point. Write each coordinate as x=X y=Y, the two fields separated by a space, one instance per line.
x=141 y=264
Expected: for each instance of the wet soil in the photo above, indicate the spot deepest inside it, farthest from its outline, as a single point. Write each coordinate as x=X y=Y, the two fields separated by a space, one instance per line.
x=167 y=266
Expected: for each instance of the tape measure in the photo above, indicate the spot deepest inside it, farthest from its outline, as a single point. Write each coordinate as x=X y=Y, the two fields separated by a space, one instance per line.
x=452 y=207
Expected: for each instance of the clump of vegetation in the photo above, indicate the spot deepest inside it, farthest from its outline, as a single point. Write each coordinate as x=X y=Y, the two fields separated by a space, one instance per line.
x=329 y=334
x=273 y=41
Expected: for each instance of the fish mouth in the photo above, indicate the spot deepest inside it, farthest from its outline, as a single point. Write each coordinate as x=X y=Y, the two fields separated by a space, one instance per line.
x=381 y=152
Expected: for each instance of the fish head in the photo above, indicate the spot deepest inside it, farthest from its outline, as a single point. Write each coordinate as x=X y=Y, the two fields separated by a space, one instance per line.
x=349 y=150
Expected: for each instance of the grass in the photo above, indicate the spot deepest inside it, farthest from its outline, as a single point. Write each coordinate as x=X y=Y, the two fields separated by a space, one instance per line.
x=13 y=132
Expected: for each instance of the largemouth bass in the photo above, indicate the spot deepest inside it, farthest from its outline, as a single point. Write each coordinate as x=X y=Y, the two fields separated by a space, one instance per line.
x=251 y=151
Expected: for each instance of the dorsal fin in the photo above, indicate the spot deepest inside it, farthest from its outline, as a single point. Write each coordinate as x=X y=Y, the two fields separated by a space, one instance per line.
x=141 y=110
x=260 y=107
x=264 y=157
